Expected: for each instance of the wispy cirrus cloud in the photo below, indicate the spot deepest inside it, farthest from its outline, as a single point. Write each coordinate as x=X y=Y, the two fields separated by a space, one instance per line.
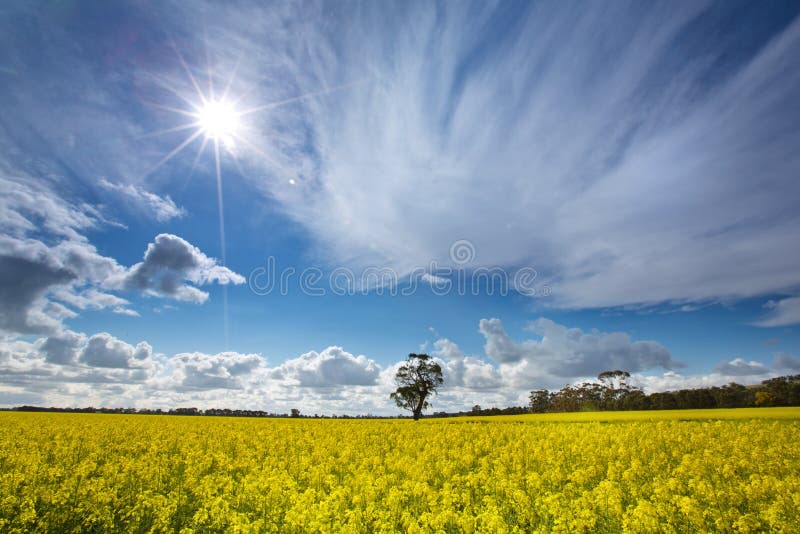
x=783 y=312
x=619 y=151
x=624 y=152
x=162 y=209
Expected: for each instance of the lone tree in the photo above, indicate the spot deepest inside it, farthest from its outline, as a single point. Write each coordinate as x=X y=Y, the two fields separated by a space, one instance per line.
x=416 y=380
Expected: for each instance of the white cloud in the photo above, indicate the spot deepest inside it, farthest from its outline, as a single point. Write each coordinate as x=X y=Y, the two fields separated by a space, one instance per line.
x=63 y=348
x=225 y=370
x=461 y=371
x=27 y=205
x=672 y=381
x=169 y=262
x=332 y=367
x=28 y=271
x=784 y=312
x=162 y=209
x=576 y=145
x=786 y=362
x=435 y=280
x=567 y=354
x=101 y=370
x=33 y=273
x=740 y=367
x=93 y=299
x=104 y=350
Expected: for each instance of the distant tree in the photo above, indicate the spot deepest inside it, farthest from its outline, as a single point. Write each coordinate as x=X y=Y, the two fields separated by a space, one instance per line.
x=476 y=408
x=417 y=380
x=295 y=412
x=764 y=398
x=616 y=393
x=614 y=379
x=540 y=401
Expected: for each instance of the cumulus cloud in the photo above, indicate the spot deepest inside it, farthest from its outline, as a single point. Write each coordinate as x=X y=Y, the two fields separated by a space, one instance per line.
x=104 y=350
x=33 y=273
x=169 y=262
x=568 y=353
x=63 y=348
x=75 y=369
x=27 y=272
x=331 y=367
x=740 y=367
x=70 y=368
x=463 y=371
x=162 y=209
x=786 y=362
x=672 y=380
x=31 y=269
x=196 y=370
x=784 y=312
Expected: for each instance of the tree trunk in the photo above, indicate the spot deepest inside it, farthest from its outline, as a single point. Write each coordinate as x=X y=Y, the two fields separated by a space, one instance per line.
x=416 y=415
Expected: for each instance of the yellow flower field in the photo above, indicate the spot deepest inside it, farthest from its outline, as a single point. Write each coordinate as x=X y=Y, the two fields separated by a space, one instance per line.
x=720 y=470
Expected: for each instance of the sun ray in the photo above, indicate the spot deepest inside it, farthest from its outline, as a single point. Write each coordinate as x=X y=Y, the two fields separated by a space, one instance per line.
x=194 y=163
x=257 y=150
x=189 y=73
x=211 y=95
x=192 y=114
x=279 y=103
x=180 y=128
x=216 y=117
x=223 y=253
x=174 y=152
x=167 y=87
x=231 y=79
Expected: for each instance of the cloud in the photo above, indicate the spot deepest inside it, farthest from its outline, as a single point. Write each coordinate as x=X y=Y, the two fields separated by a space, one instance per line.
x=70 y=367
x=568 y=353
x=787 y=362
x=784 y=312
x=28 y=205
x=63 y=348
x=33 y=273
x=30 y=270
x=27 y=273
x=572 y=140
x=461 y=371
x=580 y=140
x=331 y=367
x=78 y=370
x=93 y=299
x=104 y=350
x=196 y=370
x=162 y=209
x=168 y=263
x=740 y=367
x=435 y=280
x=673 y=381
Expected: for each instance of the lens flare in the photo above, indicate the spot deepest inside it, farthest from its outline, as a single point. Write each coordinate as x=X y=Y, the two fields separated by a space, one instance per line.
x=219 y=121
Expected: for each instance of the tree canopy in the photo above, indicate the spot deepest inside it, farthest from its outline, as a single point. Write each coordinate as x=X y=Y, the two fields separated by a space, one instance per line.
x=417 y=379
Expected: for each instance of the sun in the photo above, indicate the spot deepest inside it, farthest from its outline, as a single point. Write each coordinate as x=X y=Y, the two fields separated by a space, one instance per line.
x=218 y=120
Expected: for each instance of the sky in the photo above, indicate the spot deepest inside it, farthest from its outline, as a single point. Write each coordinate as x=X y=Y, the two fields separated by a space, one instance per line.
x=269 y=205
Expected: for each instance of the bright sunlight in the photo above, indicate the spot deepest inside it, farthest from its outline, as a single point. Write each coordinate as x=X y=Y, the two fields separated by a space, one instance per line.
x=218 y=120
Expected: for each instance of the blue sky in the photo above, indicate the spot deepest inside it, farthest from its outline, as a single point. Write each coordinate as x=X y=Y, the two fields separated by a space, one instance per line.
x=628 y=171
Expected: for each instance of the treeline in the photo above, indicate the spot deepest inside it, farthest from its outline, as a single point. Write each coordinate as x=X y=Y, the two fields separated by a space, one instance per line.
x=477 y=410
x=211 y=412
x=612 y=392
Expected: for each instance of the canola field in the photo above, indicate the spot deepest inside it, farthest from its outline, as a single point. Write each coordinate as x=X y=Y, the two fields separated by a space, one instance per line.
x=677 y=471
